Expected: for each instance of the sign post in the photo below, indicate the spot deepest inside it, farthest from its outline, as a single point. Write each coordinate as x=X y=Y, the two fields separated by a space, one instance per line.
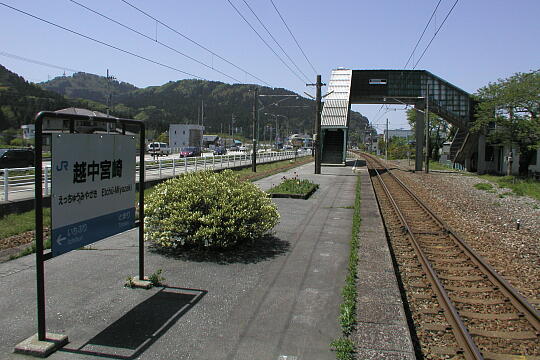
x=92 y=198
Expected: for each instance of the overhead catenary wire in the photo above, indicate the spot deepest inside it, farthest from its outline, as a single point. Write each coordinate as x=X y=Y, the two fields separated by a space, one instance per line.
x=273 y=38
x=38 y=62
x=422 y=35
x=194 y=42
x=264 y=41
x=436 y=32
x=420 y=38
x=294 y=38
x=416 y=46
x=102 y=42
x=155 y=40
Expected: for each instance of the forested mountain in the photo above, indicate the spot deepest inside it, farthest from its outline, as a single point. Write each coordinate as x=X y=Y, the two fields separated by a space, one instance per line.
x=20 y=101
x=87 y=86
x=174 y=102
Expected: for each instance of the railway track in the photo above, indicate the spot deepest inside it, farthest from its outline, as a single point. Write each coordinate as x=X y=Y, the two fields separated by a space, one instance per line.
x=460 y=306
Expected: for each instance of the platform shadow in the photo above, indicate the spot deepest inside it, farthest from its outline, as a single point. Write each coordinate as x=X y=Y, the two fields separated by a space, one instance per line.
x=265 y=248
x=142 y=326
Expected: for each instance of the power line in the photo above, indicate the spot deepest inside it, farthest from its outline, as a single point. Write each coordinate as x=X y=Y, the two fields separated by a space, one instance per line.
x=290 y=32
x=436 y=32
x=155 y=40
x=273 y=38
x=422 y=35
x=264 y=41
x=101 y=42
x=13 y=56
x=195 y=42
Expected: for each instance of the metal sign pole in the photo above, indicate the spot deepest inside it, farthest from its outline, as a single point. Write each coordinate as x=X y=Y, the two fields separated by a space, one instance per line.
x=141 y=201
x=38 y=201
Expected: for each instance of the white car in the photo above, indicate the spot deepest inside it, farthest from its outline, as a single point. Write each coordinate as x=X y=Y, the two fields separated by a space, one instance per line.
x=159 y=148
x=242 y=148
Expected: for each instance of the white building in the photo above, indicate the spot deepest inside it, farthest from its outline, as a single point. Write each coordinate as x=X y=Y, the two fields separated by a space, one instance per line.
x=181 y=135
x=406 y=134
x=29 y=131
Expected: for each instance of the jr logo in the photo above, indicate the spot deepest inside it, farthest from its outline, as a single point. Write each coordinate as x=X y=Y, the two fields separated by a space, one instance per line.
x=62 y=166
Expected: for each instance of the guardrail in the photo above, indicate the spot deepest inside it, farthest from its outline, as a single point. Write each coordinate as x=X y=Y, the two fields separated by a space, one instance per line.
x=15 y=182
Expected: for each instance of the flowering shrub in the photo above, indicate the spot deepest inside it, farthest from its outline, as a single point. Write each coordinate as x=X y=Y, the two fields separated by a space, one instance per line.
x=207 y=209
x=293 y=186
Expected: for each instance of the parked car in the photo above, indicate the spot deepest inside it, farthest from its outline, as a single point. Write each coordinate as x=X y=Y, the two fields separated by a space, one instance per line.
x=242 y=148
x=159 y=148
x=233 y=148
x=16 y=158
x=220 y=150
x=190 y=151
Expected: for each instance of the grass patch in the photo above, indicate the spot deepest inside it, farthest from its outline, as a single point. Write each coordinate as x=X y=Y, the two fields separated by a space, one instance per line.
x=267 y=169
x=519 y=187
x=435 y=165
x=343 y=346
x=484 y=186
x=14 y=224
x=31 y=249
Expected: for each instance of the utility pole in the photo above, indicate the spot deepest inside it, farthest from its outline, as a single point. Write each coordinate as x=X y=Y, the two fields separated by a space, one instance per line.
x=254 y=157
x=427 y=128
x=109 y=97
x=317 y=135
x=202 y=112
x=386 y=142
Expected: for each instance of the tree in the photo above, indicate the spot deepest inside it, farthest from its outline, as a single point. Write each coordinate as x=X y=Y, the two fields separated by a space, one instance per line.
x=508 y=111
x=398 y=148
x=437 y=125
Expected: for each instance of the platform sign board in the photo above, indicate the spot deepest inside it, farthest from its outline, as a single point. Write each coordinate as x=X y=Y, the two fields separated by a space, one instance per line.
x=93 y=188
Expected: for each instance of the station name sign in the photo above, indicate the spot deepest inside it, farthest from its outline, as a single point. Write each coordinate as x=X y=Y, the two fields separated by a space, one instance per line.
x=377 y=81
x=93 y=188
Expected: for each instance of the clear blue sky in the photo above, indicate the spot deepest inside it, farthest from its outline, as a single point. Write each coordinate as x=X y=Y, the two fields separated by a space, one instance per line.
x=481 y=41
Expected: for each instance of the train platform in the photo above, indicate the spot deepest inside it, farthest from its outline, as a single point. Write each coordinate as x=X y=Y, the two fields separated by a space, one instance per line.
x=382 y=330
x=277 y=300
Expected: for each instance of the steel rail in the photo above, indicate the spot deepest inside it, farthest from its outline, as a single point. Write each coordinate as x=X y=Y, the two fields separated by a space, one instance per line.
x=521 y=304
x=516 y=299
x=463 y=338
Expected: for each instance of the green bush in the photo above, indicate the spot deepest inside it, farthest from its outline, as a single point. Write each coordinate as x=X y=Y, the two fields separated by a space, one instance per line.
x=207 y=210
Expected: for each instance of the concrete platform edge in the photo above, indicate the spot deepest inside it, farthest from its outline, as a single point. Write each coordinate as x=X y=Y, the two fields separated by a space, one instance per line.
x=380 y=310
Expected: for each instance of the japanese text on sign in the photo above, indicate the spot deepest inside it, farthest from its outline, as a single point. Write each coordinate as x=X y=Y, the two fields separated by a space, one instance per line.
x=102 y=170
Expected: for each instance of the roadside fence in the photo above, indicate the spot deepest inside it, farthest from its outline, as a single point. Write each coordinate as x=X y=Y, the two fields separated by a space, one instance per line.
x=18 y=183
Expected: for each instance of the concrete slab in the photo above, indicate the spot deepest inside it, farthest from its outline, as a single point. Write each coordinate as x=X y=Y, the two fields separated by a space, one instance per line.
x=279 y=297
x=41 y=348
x=376 y=312
x=369 y=354
x=387 y=337
x=382 y=330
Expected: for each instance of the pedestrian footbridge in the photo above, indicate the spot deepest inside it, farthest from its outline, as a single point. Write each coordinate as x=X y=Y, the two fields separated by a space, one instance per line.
x=419 y=88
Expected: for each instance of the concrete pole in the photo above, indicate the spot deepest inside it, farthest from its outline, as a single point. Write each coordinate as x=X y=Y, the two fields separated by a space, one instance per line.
x=419 y=134
x=254 y=157
x=427 y=128
x=386 y=142
x=318 y=127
